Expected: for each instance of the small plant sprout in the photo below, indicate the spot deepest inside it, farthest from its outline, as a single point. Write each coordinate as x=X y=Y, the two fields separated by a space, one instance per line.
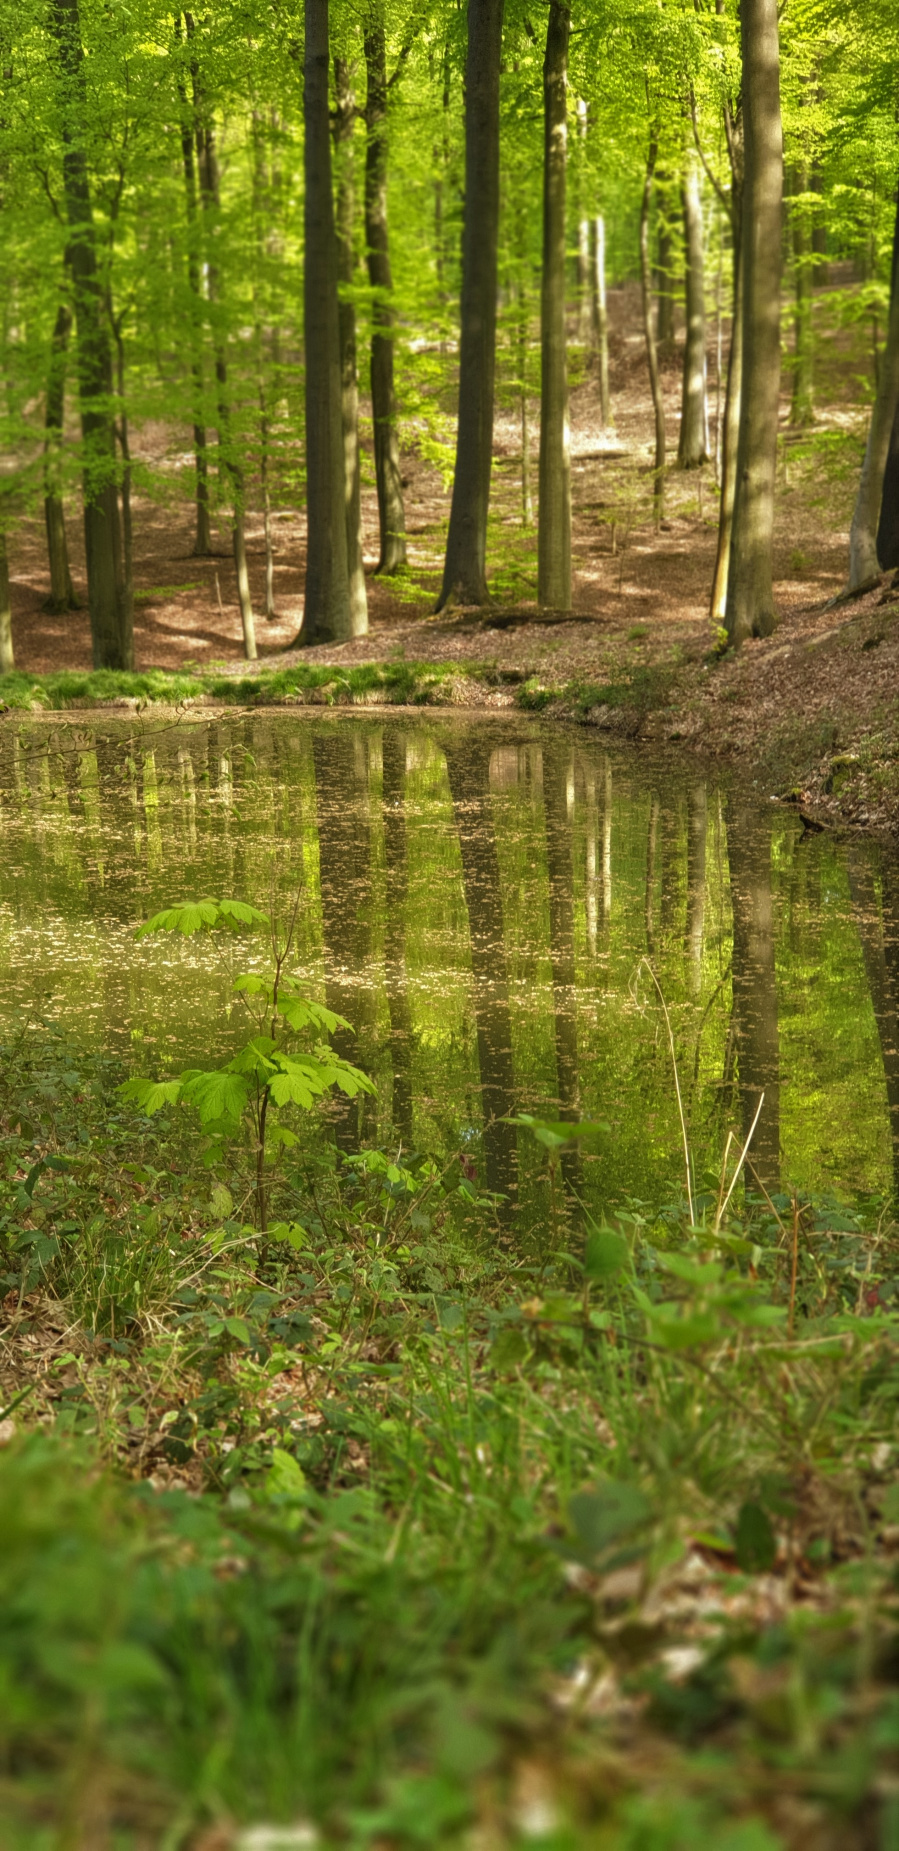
x=243 y=1100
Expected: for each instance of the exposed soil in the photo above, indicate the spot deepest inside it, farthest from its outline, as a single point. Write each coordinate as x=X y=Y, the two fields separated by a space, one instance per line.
x=823 y=685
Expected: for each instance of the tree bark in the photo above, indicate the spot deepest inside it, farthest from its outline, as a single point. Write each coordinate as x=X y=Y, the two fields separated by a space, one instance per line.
x=207 y=163
x=464 y=572
x=801 y=403
x=393 y=800
x=584 y=285
x=600 y=316
x=388 y=477
x=664 y=277
x=328 y=611
x=871 y=509
x=344 y=127
x=754 y=984
x=112 y=636
x=62 y=591
x=750 y=595
x=652 y=358
x=203 y=541
x=880 y=951
x=730 y=436
x=693 y=444
x=7 y=658
x=560 y=872
x=888 y=524
x=697 y=830
x=554 y=515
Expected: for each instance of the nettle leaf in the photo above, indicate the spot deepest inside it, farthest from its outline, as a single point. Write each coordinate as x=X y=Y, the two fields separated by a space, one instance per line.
x=218 y=1095
x=152 y=1095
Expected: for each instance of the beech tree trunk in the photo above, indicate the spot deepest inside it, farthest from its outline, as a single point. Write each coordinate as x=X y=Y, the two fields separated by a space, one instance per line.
x=554 y=515
x=879 y=936
x=750 y=596
x=62 y=591
x=207 y=162
x=328 y=611
x=464 y=572
x=730 y=437
x=203 y=541
x=7 y=659
x=112 y=636
x=754 y=983
x=871 y=511
x=344 y=125
x=652 y=358
x=801 y=404
x=391 y=512
x=584 y=285
x=693 y=444
x=888 y=524
x=600 y=315
x=557 y=773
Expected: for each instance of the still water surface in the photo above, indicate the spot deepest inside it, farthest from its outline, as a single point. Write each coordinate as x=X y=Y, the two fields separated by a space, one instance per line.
x=484 y=902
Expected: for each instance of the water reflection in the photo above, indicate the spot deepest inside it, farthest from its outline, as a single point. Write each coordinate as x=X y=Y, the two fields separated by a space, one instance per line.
x=476 y=900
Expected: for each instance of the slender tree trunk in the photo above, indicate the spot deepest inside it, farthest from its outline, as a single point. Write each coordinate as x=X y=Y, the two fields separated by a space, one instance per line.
x=600 y=316
x=584 y=288
x=7 y=659
x=801 y=404
x=203 y=542
x=664 y=275
x=344 y=126
x=343 y=820
x=888 y=524
x=652 y=358
x=328 y=613
x=388 y=477
x=467 y=768
x=393 y=799
x=554 y=514
x=209 y=195
x=693 y=445
x=731 y=425
x=754 y=983
x=464 y=572
x=62 y=591
x=697 y=829
x=560 y=872
x=111 y=636
x=879 y=950
x=750 y=594
x=865 y=559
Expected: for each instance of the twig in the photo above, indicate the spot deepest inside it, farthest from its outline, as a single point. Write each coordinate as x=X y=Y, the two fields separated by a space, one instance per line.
x=742 y=1159
x=680 y=1107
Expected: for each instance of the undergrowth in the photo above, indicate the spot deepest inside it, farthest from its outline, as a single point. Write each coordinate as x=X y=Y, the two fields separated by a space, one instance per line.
x=418 y=1527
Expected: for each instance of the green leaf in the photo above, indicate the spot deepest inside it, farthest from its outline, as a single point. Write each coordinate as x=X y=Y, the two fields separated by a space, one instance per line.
x=285 y=1476
x=555 y=1134
x=611 y=1510
x=239 y=913
x=237 y=1328
x=186 y=919
x=606 y=1254
x=291 y=1231
x=508 y=1349
x=755 y=1541
x=221 y=1201
x=705 y=1274
x=151 y=1095
x=217 y=1095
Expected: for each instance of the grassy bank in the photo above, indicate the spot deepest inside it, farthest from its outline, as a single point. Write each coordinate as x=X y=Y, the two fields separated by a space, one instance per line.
x=413 y=1526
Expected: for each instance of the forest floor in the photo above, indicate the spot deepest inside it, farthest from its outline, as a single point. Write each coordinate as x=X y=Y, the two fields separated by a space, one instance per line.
x=812 y=709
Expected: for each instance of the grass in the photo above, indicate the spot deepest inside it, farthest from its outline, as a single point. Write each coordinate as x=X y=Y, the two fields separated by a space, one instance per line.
x=406 y=1530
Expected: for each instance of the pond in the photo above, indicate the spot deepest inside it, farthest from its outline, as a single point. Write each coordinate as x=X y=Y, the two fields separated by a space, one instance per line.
x=513 y=918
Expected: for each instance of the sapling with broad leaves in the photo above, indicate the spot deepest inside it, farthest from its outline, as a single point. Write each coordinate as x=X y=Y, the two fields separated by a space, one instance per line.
x=243 y=1099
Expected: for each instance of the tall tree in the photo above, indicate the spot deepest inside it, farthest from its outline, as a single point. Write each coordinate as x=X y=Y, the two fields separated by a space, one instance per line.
x=554 y=519
x=328 y=611
x=62 y=591
x=344 y=121
x=203 y=540
x=693 y=443
x=109 y=599
x=868 y=515
x=652 y=356
x=388 y=476
x=732 y=203
x=7 y=658
x=464 y=571
x=750 y=593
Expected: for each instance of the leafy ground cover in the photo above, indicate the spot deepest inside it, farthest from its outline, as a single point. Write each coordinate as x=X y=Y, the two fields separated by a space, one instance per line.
x=399 y=1523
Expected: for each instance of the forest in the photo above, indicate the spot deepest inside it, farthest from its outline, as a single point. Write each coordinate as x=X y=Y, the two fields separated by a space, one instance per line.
x=449 y=925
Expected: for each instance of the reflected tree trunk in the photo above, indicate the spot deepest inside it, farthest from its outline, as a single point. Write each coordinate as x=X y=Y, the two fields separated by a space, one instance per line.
x=467 y=766
x=393 y=798
x=558 y=800
x=344 y=848
x=649 y=906
x=879 y=937
x=62 y=591
x=697 y=829
x=7 y=658
x=754 y=985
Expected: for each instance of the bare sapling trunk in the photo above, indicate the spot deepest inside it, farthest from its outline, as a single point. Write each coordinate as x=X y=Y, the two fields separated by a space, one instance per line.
x=62 y=591
x=652 y=358
x=802 y=403
x=693 y=445
x=554 y=513
x=207 y=162
x=328 y=612
x=527 y=506
x=465 y=565
x=202 y=548
x=730 y=432
x=865 y=561
x=7 y=659
x=600 y=316
x=112 y=637
x=344 y=126
x=388 y=476
x=750 y=593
